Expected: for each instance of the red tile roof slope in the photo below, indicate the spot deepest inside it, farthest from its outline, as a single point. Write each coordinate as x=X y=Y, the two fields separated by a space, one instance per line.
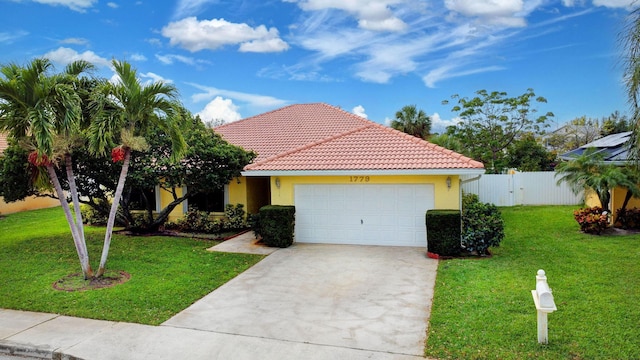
x=323 y=137
x=288 y=128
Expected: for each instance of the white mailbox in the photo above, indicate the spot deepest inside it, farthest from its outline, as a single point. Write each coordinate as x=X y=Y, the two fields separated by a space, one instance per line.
x=543 y=299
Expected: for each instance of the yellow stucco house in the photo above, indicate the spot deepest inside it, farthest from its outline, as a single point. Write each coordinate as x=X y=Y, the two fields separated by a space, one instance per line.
x=352 y=181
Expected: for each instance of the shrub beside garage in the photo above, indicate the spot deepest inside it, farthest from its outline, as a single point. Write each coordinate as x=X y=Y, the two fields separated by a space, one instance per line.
x=276 y=224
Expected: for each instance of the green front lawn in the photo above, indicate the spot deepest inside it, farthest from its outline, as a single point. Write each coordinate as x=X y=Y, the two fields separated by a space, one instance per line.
x=167 y=273
x=483 y=309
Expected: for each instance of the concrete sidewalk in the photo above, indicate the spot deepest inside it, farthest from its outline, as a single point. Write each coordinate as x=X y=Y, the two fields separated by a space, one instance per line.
x=50 y=336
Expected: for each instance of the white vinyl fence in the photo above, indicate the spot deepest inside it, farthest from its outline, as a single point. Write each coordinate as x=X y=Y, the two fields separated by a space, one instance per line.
x=522 y=188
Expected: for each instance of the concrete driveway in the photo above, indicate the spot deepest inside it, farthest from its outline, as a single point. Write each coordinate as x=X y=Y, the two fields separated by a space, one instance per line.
x=352 y=297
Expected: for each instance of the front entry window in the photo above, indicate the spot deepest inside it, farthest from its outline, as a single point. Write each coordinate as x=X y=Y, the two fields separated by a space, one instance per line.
x=142 y=199
x=210 y=201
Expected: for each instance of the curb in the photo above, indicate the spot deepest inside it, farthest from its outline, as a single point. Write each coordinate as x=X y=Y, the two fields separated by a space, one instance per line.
x=32 y=352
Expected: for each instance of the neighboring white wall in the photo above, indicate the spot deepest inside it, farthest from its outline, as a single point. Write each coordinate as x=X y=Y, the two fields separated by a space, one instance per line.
x=525 y=188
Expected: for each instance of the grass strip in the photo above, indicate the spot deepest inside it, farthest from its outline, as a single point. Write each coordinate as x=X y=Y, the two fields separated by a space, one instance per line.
x=483 y=309
x=167 y=273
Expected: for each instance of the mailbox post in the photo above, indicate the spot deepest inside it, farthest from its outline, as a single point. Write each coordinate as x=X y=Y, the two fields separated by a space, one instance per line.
x=543 y=299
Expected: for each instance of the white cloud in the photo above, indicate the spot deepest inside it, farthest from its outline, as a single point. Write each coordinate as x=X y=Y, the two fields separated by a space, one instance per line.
x=154 y=42
x=112 y=5
x=375 y=15
x=194 y=35
x=6 y=37
x=64 y=56
x=190 y=7
x=254 y=100
x=75 y=41
x=138 y=57
x=270 y=44
x=76 y=5
x=615 y=3
x=171 y=58
x=220 y=109
x=508 y=13
x=441 y=40
x=447 y=72
x=439 y=125
x=153 y=77
x=359 y=110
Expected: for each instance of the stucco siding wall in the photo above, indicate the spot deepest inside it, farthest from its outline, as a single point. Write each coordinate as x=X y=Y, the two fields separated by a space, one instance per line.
x=165 y=198
x=617 y=199
x=238 y=191
x=31 y=203
x=591 y=198
x=445 y=198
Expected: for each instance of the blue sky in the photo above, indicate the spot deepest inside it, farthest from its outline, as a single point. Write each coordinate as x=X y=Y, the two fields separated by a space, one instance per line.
x=234 y=59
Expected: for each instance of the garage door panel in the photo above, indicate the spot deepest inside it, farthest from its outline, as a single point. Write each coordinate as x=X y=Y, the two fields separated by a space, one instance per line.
x=419 y=221
x=388 y=214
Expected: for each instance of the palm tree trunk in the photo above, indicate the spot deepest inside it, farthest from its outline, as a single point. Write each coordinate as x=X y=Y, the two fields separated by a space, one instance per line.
x=74 y=196
x=114 y=210
x=627 y=197
x=81 y=246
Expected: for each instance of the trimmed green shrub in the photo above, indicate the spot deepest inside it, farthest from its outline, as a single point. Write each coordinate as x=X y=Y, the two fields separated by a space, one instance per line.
x=254 y=224
x=91 y=216
x=277 y=225
x=443 y=232
x=195 y=221
x=592 y=220
x=482 y=225
x=234 y=217
x=202 y=222
x=468 y=199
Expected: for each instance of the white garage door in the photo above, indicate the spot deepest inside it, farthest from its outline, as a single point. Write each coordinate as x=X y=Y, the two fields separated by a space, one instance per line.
x=392 y=214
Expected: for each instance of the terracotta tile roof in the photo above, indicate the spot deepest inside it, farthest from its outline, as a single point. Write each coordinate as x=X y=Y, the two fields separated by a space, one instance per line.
x=323 y=137
x=288 y=128
x=3 y=143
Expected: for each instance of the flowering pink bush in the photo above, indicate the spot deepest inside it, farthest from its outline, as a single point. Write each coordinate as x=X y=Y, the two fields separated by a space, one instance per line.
x=592 y=220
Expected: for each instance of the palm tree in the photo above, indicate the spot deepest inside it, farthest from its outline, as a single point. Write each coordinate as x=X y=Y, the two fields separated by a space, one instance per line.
x=631 y=44
x=412 y=121
x=589 y=171
x=43 y=112
x=131 y=109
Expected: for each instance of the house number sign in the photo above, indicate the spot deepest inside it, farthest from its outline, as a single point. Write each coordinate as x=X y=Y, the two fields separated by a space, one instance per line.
x=359 y=179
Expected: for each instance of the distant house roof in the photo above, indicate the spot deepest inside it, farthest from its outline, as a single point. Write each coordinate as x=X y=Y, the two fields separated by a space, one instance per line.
x=614 y=147
x=321 y=137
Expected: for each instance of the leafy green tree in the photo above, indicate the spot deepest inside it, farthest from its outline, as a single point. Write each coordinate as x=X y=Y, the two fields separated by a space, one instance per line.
x=412 y=121
x=208 y=165
x=448 y=141
x=42 y=112
x=615 y=124
x=492 y=121
x=527 y=154
x=126 y=110
x=15 y=174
